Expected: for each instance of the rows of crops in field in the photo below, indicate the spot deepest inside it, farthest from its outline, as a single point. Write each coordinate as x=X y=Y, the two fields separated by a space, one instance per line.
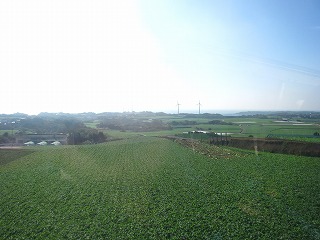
x=8 y=155
x=239 y=127
x=150 y=188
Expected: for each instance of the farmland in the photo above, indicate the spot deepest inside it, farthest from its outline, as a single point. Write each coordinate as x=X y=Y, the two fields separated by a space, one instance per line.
x=297 y=128
x=297 y=125
x=151 y=188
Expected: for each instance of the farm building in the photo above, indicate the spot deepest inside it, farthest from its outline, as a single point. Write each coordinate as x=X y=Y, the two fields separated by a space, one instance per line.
x=30 y=143
x=56 y=143
x=43 y=143
x=37 y=138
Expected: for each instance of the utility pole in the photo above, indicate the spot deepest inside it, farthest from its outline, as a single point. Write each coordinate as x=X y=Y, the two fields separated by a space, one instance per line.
x=12 y=126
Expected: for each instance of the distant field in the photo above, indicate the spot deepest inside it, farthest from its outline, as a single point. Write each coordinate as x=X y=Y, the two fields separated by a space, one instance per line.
x=258 y=130
x=8 y=131
x=307 y=130
x=120 y=134
x=151 y=188
x=241 y=127
x=91 y=124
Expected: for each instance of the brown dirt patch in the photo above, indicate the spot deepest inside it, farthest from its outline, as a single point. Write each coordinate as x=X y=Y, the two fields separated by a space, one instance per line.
x=11 y=154
x=277 y=146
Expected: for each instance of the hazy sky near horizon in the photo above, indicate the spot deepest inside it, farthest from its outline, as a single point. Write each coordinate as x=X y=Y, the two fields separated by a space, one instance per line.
x=135 y=55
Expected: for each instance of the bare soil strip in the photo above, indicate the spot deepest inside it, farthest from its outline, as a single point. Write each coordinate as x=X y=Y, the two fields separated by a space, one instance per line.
x=277 y=146
x=8 y=155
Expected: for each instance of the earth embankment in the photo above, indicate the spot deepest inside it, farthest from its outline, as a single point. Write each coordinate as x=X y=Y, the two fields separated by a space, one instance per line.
x=277 y=146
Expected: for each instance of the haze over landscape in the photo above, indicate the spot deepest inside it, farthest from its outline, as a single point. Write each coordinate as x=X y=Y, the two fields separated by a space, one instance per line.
x=99 y=56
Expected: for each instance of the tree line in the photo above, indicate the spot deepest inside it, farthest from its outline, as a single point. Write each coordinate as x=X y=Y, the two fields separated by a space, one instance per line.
x=78 y=132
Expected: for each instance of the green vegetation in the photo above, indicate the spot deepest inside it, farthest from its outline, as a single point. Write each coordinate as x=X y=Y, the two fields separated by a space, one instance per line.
x=9 y=155
x=131 y=124
x=86 y=136
x=257 y=126
x=91 y=124
x=6 y=138
x=116 y=134
x=151 y=188
x=8 y=131
x=78 y=132
x=301 y=139
x=124 y=123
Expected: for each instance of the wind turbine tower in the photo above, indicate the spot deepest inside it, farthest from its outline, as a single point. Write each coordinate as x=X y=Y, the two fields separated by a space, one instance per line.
x=178 y=104
x=199 y=106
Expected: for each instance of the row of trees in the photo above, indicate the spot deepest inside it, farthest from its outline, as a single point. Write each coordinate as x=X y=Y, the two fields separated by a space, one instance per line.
x=86 y=136
x=6 y=138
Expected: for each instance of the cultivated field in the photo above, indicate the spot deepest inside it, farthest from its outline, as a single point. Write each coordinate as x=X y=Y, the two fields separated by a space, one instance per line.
x=152 y=188
x=301 y=130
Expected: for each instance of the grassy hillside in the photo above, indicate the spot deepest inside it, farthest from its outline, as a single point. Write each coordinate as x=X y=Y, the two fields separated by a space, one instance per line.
x=150 y=188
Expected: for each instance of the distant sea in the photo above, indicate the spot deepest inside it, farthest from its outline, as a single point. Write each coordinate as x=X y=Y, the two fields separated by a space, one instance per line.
x=222 y=112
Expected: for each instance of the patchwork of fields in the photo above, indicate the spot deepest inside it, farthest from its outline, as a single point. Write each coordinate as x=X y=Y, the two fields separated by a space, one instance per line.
x=152 y=188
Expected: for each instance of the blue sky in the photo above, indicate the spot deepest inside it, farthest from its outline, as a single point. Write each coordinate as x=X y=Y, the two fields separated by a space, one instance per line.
x=80 y=56
x=261 y=54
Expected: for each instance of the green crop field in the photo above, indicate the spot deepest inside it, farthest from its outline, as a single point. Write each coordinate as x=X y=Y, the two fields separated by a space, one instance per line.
x=8 y=131
x=151 y=188
x=236 y=127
